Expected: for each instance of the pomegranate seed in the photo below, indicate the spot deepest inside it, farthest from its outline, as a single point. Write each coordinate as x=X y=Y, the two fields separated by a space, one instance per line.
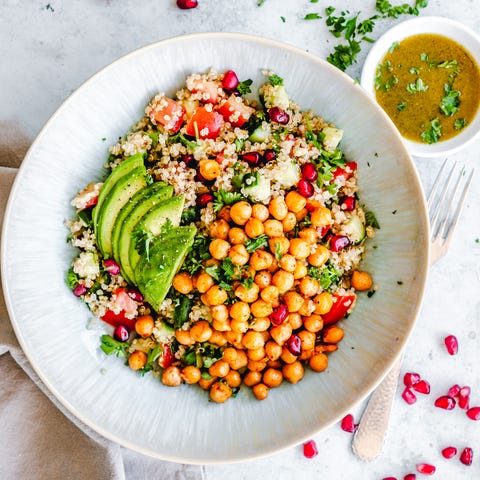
x=464 y=398
x=422 y=387
x=473 y=413
x=348 y=203
x=451 y=343
x=135 y=295
x=449 y=452
x=454 y=391
x=80 y=290
x=269 y=155
x=410 y=476
x=409 y=396
x=204 y=199
x=347 y=424
x=187 y=4
x=466 y=457
x=112 y=267
x=445 y=402
x=278 y=115
x=305 y=188
x=121 y=333
x=279 y=314
x=389 y=478
x=294 y=345
x=230 y=80
x=310 y=449
x=426 y=469
x=338 y=242
x=309 y=172
x=251 y=157
x=189 y=160
x=410 y=379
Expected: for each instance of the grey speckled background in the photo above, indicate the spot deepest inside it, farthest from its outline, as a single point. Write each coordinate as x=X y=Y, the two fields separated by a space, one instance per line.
x=47 y=49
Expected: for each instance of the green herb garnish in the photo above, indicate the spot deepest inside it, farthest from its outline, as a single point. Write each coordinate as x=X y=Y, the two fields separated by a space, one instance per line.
x=71 y=279
x=401 y=106
x=433 y=131
x=417 y=86
x=371 y=220
x=182 y=311
x=394 y=46
x=312 y=16
x=244 y=87
x=255 y=243
x=275 y=79
x=222 y=198
x=450 y=101
x=460 y=123
x=109 y=345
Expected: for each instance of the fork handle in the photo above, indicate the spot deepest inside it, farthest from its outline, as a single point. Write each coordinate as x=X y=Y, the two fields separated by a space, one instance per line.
x=369 y=437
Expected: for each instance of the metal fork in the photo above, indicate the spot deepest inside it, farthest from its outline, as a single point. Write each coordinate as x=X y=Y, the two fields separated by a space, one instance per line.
x=445 y=203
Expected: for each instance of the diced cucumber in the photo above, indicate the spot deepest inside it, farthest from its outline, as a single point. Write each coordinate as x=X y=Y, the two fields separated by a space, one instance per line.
x=276 y=96
x=354 y=229
x=259 y=191
x=260 y=134
x=289 y=175
x=332 y=138
x=164 y=331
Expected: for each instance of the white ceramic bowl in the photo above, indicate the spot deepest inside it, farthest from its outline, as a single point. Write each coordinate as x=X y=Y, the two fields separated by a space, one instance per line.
x=441 y=26
x=179 y=424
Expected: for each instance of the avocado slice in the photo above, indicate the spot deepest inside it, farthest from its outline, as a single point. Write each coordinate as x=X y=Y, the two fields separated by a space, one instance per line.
x=118 y=197
x=126 y=241
x=154 y=273
x=152 y=222
x=127 y=166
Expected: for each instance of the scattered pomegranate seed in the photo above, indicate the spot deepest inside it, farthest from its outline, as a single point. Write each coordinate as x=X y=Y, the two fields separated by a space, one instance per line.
x=294 y=345
x=230 y=80
x=338 y=242
x=410 y=476
x=279 y=314
x=348 y=424
x=464 y=398
x=389 y=478
x=112 y=267
x=187 y=4
x=305 y=188
x=449 y=452
x=251 y=157
x=278 y=115
x=80 y=290
x=135 y=295
x=454 y=391
x=410 y=379
x=348 y=203
x=309 y=172
x=121 y=333
x=422 y=387
x=204 y=199
x=466 y=457
x=189 y=160
x=445 y=402
x=473 y=413
x=451 y=343
x=269 y=155
x=310 y=449
x=426 y=469
x=409 y=396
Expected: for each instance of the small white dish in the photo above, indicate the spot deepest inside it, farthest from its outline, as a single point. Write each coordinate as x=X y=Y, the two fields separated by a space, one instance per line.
x=437 y=25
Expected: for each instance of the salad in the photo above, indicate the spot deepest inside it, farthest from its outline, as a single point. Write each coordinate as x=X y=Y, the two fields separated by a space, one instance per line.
x=225 y=243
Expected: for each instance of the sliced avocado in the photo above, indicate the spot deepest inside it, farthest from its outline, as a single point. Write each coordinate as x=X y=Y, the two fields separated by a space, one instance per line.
x=130 y=224
x=152 y=222
x=128 y=165
x=139 y=197
x=118 y=197
x=154 y=273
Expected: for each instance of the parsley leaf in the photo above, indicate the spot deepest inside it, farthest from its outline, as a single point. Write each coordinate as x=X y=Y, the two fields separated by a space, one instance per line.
x=401 y=106
x=433 y=133
x=460 y=123
x=222 y=198
x=312 y=16
x=275 y=80
x=371 y=220
x=384 y=78
x=244 y=87
x=417 y=86
x=180 y=138
x=188 y=216
x=278 y=251
x=198 y=253
x=71 y=279
x=255 y=243
x=142 y=240
x=182 y=311
x=109 y=345
x=394 y=46
x=327 y=275
x=152 y=357
x=450 y=101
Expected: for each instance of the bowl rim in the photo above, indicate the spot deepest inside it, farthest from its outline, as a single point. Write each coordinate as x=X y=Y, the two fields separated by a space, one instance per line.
x=361 y=395
x=431 y=24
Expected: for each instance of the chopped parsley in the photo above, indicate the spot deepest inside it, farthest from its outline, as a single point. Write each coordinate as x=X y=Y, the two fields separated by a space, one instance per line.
x=417 y=86
x=433 y=131
x=384 y=78
x=414 y=70
x=188 y=216
x=142 y=240
x=460 y=123
x=111 y=346
x=394 y=46
x=227 y=272
x=450 y=101
x=222 y=198
x=182 y=311
x=401 y=106
x=255 y=243
x=275 y=80
x=371 y=220
x=197 y=255
x=283 y=20
x=244 y=87
x=312 y=16
x=72 y=279
x=278 y=251
x=327 y=275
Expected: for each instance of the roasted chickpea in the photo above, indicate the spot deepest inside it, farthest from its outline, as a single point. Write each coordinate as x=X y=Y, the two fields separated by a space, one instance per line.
x=240 y=311
x=333 y=334
x=201 y=331
x=260 y=391
x=293 y=300
x=260 y=211
x=299 y=248
x=233 y=379
x=256 y=354
x=241 y=212
x=182 y=282
x=323 y=302
x=252 y=378
x=283 y=281
x=289 y=222
x=263 y=279
x=279 y=245
x=220 y=392
x=274 y=363
x=295 y=202
x=313 y=323
x=221 y=325
x=218 y=338
x=309 y=234
x=219 y=369
x=301 y=214
x=273 y=228
x=293 y=372
x=261 y=324
x=287 y=356
x=253 y=340
x=239 y=255
x=272 y=377
x=270 y=294
x=203 y=282
x=278 y=208
x=240 y=361
x=206 y=384
x=236 y=236
x=229 y=355
x=281 y=333
x=219 y=229
x=219 y=248
x=171 y=376
x=261 y=260
x=321 y=217
x=216 y=295
x=308 y=286
x=256 y=366
x=308 y=339
x=319 y=257
x=224 y=213
x=318 y=362
x=209 y=169
x=295 y=320
x=248 y=295
x=144 y=325
x=288 y=263
x=254 y=227
x=238 y=325
x=191 y=374
x=306 y=354
x=273 y=350
x=137 y=360
x=261 y=308
x=361 y=280
x=219 y=312
x=184 y=338
x=235 y=339
x=300 y=271
x=307 y=308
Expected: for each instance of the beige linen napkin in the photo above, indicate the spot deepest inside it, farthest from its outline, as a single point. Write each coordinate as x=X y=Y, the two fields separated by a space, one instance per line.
x=39 y=439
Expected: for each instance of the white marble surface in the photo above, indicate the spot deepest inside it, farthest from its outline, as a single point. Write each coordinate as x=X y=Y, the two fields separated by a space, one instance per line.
x=48 y=48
